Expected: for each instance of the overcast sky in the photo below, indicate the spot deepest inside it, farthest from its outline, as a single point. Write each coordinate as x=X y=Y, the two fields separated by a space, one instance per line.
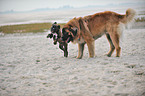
x=25 y=5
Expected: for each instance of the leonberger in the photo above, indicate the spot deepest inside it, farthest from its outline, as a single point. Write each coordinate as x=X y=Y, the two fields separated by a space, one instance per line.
x=90 y=28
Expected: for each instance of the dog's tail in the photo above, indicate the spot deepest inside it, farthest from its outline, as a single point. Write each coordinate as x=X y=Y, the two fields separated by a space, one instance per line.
x=126 y=21
x=129 y=17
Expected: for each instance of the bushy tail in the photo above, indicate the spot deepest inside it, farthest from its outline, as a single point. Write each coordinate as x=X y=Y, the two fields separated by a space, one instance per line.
x=126 y=21
x=129 y=17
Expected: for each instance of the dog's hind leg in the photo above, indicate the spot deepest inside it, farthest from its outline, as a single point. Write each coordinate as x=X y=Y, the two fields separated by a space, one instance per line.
x=115 y=39
x=81 y=50
x=112 y=48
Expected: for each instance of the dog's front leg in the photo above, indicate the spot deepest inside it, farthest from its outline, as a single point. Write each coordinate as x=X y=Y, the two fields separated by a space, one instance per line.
x=80 y=50
x=65 y=50
x=50 y=35
x=91 y=48
x=63 y=47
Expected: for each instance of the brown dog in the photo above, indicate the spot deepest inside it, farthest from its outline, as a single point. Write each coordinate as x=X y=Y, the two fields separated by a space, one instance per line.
x=94 y=26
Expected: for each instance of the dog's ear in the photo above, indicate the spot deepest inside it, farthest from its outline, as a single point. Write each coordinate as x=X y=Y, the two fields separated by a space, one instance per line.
x=63 y=30
x=75 y=31
x=64 y=34
x=70 y=26
x=59 y=26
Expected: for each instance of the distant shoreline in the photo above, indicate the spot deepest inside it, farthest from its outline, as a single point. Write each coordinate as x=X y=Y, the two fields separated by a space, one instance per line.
x=42 y=27
x=30 y=22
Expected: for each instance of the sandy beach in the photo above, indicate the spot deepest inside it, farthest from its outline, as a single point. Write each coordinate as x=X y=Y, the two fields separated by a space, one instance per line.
x=30 y=65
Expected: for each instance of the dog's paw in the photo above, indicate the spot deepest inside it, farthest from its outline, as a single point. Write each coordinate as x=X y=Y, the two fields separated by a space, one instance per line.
x=47 y=36
x=108 y=55
x=78 y=57
x=65 y=54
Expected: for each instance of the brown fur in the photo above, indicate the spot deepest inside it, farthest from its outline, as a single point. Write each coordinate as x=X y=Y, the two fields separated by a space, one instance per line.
x=94 y=26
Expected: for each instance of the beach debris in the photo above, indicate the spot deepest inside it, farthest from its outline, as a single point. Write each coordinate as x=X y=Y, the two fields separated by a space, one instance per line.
x=56 y=68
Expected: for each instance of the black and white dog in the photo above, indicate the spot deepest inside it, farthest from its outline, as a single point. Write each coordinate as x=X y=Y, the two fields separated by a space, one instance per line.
x=55 y=32
x=57 y=37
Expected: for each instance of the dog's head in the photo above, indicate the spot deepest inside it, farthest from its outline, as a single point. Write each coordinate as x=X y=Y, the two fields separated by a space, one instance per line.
x=69 y=31
x=55 y=28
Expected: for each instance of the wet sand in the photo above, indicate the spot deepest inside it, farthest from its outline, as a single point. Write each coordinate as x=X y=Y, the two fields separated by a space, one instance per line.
x=30 y=65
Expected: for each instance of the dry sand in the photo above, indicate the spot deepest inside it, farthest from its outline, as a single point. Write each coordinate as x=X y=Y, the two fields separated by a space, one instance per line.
x=30 y=65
